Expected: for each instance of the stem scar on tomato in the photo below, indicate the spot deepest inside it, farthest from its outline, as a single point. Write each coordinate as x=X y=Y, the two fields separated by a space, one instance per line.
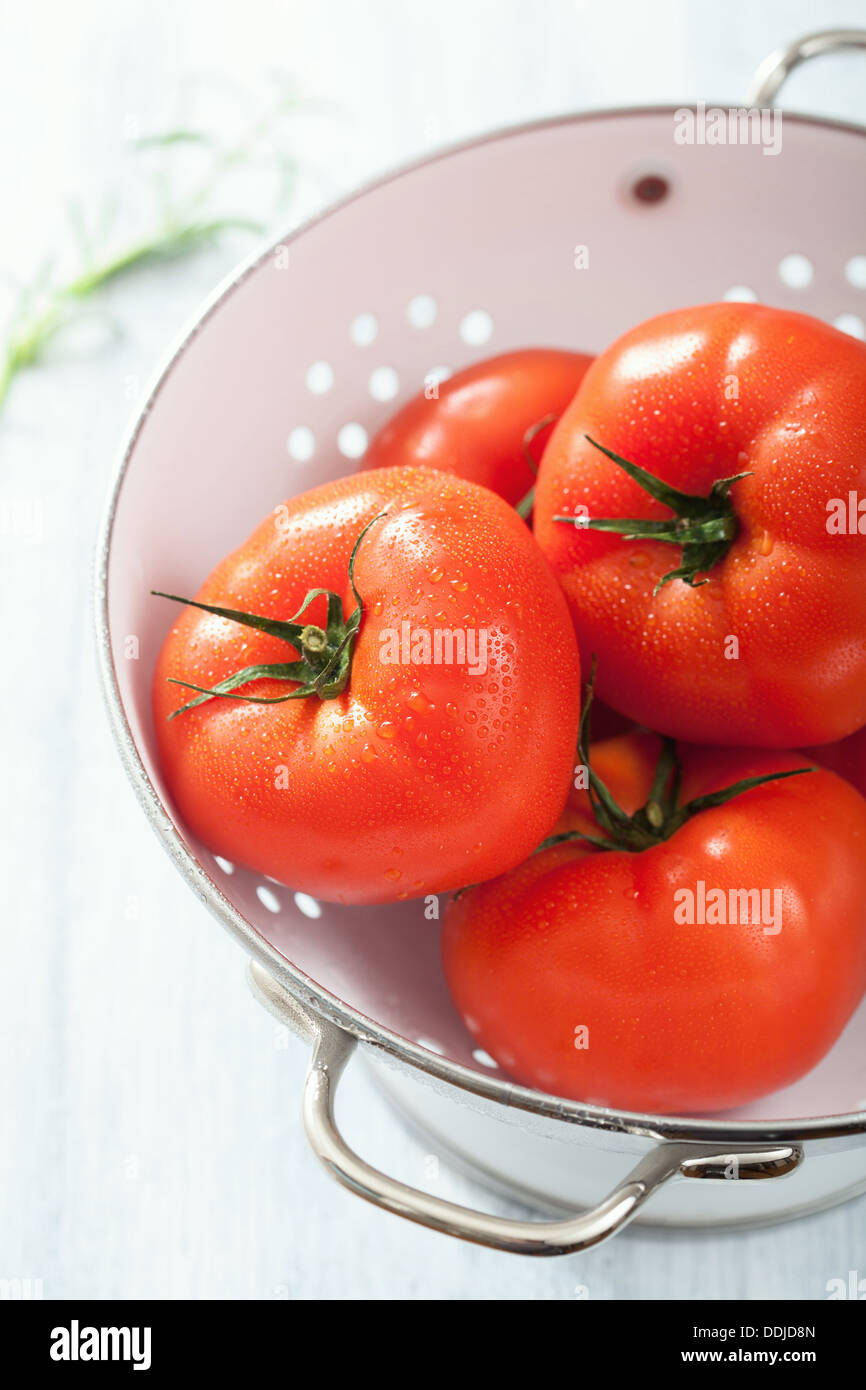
x=704 y=527
x=661 y=816
x=326 y=653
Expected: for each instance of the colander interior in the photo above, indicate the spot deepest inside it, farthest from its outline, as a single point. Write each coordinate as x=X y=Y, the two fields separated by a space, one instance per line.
x=530 y=238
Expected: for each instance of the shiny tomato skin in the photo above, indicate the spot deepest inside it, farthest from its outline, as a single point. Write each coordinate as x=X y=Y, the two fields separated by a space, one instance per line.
x=771 y=651
x=416 y=778
x=476 y=426
x=680 y=1018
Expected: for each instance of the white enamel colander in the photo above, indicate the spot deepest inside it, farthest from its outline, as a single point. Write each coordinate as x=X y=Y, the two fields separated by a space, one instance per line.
x=275 y=389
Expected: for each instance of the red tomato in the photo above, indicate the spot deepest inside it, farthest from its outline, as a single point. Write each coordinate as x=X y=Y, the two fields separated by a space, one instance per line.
x=412 y=773
x=846 y=758
x=580 y=973
x=770 y=648
x=476 y=425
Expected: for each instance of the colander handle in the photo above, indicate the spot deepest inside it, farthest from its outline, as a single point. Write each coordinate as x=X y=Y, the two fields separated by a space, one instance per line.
x=332 y=1048
x=775 y=69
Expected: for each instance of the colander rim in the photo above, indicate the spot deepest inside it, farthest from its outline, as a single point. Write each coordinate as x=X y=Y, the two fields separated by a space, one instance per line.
x=846 y=1125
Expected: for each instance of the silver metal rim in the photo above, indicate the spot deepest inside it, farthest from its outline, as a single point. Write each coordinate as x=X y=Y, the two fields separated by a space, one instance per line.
x=646 y=1218
x=301 y=986
x=465 y=1162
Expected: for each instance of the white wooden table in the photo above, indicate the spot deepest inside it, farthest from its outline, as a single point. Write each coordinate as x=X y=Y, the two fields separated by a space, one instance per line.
x=150 y=1142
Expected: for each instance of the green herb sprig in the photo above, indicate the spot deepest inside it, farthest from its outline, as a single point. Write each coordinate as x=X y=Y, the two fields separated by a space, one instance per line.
x=179 y=226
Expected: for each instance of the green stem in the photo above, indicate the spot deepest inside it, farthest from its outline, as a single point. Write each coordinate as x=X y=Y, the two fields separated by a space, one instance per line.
x=525 y=505
x=7 y=374
x=703 y=527
x=25 y=348
x=661 y=816
x=174 y=241
x=325 y=654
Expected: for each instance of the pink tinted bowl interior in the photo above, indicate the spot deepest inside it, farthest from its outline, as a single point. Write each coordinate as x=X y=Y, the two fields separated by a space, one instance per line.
x=469 y=254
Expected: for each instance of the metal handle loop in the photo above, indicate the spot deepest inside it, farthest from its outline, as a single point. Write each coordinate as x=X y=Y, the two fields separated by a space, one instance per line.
x=775 y=69
x=332 y=1048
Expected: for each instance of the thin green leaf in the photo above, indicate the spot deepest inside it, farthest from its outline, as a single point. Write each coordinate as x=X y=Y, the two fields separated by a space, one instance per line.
x=292 y=670
x=274 y=627
x=167 y=138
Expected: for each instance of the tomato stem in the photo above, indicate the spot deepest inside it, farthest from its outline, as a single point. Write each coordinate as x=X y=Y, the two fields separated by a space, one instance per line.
x=525 y=505
x=661 y=816
x=314 y=640
x=703 y=527
x=325 y=653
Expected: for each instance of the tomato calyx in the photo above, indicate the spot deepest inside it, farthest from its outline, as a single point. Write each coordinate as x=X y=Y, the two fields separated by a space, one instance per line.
x=661 y=816
x=703 y=527
x=325 y=661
